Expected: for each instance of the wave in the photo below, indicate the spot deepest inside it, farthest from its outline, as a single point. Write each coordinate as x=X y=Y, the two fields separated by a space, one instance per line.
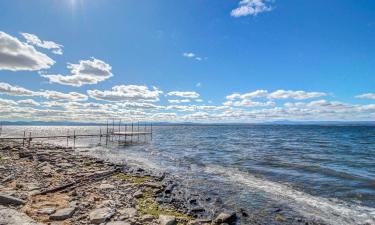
x=331 y=211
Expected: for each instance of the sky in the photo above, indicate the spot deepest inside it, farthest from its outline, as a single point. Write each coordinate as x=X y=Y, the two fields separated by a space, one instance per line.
x=187 y=61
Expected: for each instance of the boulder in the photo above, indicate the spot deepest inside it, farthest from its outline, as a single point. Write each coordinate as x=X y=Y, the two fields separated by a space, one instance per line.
x=63 y=214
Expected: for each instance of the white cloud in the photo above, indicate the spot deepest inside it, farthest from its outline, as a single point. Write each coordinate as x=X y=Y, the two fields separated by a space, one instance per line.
x=34 y=40
x=28 y=102
x=191 y=56
x=7 y=102
x=251 y=7
x=8 y=89
x=199 y=84
x=184 y=94
x=89 y=71
x=366 y=96
x=19 y=56
x=177 y=101
x=299 y=95
x=248 y=103
x=126 y=93
x=279 y=94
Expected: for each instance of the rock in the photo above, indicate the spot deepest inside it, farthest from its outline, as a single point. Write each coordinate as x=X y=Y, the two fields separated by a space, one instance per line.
x=13 y=217
x=147 y=218
x=167 y=220
x=199 y=222
x=229 y=218
x=138 y=194
x=63 y=214
x=8 y=178
x=98 y=216
x=106 y=186
x=118 y=223
x=128 y=212
x=46 y=211
x=153 y=185
x=9 y=200
x=42 y=164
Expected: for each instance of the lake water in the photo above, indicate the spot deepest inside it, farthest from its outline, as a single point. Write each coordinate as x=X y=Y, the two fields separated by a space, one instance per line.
x=322 y=172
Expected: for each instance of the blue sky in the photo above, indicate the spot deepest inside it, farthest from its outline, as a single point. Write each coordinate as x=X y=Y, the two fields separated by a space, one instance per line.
x=182 y=60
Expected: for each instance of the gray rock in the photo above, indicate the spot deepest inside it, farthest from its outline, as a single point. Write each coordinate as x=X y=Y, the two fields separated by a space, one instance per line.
x=225 y=218
x=46 y=211
x=138 y=194
x=153 y=185
x=13 y=217
x=128 y=212
x=167 y=220
x=98 y=216
x=118 y=223
x=147 y=218
x=106 y=186
x=10 y=200
x=8 y=178
x=63 y=214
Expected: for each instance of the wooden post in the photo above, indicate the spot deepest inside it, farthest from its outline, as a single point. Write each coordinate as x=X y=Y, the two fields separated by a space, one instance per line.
x=1 y=127
x=145 y=136
x=67 y=138
x=119 y=130
x=151 y=131
x=131 y=135
x=113 y=127
x=106 y=135
x=23 y=140
x=138 y=132
x=74 y=139
x=126 y=127
x=29 y=139
x=100 y=136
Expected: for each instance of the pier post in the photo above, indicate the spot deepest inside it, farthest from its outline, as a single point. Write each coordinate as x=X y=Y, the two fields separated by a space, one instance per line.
x=1 y=127
x=23 y=140
x=67 y=138
x=131 y=135
x=29 y=139
x=106 y=136
x=126 y=127
x=138 y=133
x=119 y=130
x=74 y=139
x=151 y=131
x=100 y=136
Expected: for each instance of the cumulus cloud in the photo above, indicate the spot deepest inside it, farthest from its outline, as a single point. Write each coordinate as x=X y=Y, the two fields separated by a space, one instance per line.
x=248 y=103
x=279 y=94
x=34 y=40
x=89 y=71
x=7 y=102
x=126 y=93
x=19 y=56
x=366 y=96
x=251 y=7
x=184 y=94
x=8 y=89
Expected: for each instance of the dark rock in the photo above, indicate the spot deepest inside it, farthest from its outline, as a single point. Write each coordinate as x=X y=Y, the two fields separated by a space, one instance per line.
x=9 y=200
x=63 y=214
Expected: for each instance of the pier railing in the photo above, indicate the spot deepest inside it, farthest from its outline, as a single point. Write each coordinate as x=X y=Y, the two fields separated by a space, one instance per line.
x=120 y=133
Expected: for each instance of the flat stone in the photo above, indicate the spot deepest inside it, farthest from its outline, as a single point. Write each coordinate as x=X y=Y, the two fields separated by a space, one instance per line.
x=153 y=185
x=128 y=212
x=63 y=214
x=98 y=216
x=147 y=218
x=106 y=186
x=225 y=218
x=118 y=223
x=46 y=211
x=13 y=217
x=167 y=220
x=10 y=200
x=138 y=194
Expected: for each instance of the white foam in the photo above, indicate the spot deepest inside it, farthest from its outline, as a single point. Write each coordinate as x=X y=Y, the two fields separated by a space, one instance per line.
x=330 y=211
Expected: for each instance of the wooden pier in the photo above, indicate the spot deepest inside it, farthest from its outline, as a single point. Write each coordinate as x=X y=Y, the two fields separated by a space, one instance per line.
x=123 y=134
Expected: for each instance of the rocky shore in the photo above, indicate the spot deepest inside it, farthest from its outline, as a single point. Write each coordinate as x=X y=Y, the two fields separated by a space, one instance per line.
x=47 y=184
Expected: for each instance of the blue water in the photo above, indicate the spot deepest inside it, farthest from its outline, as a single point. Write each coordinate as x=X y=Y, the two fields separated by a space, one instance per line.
x=322 y=172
